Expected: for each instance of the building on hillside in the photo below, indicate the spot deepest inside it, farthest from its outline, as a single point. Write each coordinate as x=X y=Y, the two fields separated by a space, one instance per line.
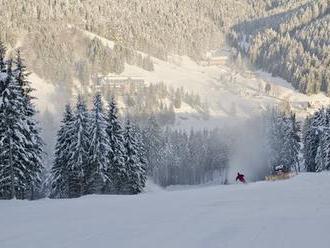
x=216 y=57
x=120 y=85
x=220 y=60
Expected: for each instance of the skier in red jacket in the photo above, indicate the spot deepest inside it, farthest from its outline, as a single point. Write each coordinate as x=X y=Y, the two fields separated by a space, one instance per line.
x=240 y=177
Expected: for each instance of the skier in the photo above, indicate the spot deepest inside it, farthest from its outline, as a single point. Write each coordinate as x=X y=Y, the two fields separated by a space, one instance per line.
x=240 y=177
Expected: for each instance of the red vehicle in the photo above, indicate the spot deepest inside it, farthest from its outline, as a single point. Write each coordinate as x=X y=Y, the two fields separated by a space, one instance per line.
x=240 y=177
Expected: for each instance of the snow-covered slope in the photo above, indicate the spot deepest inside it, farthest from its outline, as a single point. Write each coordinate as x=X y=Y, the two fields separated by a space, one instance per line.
x=226 y=87
x=286 y=214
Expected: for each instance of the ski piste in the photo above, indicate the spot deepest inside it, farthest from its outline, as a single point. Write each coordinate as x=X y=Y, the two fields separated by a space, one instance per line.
x=244 y=215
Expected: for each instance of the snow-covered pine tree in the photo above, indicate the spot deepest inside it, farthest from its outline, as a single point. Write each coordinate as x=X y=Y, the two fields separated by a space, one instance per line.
x=15 y=154
x=60 y=169
x=116 y=169
x=305 y=137
x=275 y=138
x=312 y=139
x=322 y=159
x=152 y=140
x=46 y=183
x=141 y=152
x=171 y=159
x=78 y=150
x=283 y=139
x=3 y=77
x=135 y=169
x=33 y=128
x=325 y=153
x=320 y=156
x=4 y=169
x=295 y=140
x=98 y=161
x=161 y=171
x=325 y=143
x=290 y=142
x=195 y=152
x=2 y=57
x=21 y=75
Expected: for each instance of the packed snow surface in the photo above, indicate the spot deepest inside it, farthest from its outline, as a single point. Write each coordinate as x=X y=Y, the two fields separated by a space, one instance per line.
x=292 y=213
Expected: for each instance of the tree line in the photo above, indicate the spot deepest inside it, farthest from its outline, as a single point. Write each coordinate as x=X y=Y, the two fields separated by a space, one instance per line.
x=95 y=154
x=160 y=100
x=316 y=140
x=181 y=157
x=202 y=156
x=288 y=140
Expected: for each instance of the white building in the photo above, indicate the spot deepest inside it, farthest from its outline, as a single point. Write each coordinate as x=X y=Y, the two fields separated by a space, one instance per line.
x=120 y=84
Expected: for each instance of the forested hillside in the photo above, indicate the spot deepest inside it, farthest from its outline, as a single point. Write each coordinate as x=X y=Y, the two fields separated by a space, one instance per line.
x=52 y=33
x=156 y=27
x=294 y=45
x=295 y=34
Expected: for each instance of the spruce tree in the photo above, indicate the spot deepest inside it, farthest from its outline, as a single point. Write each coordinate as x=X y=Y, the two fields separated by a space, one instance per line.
x=136 y=174
x=283 y=141
x=98 y=161
x=32 y=133
x=275 y=140
x=325 y=146
x=60 y=170
x=14 y=157
x=290 y=142
x=320 y=156
x=312 y=140
x=295 y=140
x=152 y=140
x=2 y=57
x=78 y=150
x=141 y=149
x=322 y=159
x=116 y=169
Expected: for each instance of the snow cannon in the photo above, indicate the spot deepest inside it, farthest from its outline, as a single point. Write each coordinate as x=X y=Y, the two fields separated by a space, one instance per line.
x=280 y=173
